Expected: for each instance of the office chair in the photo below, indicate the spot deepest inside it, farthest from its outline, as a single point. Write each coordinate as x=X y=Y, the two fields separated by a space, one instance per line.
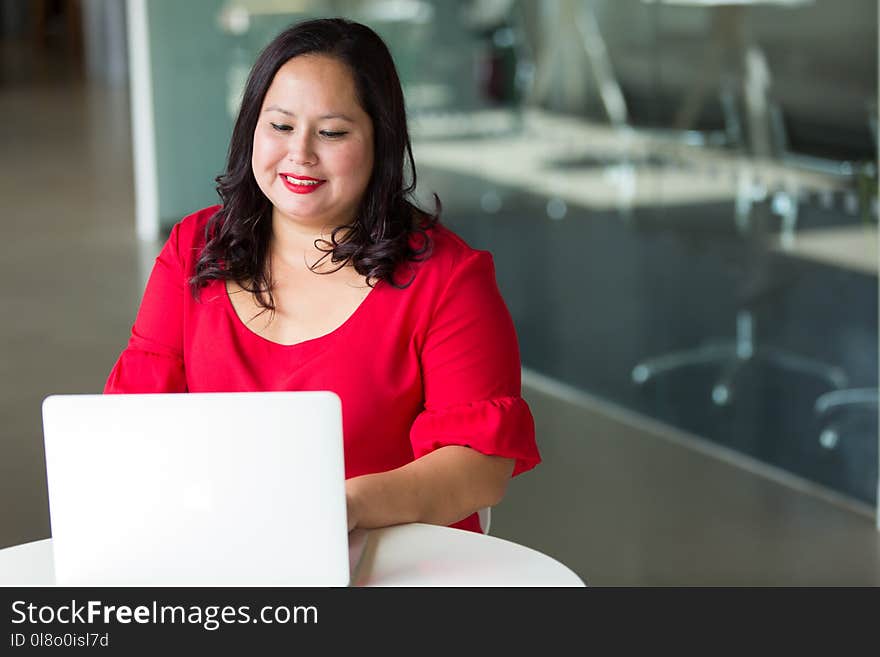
x=767 y=139
x=829 y=404
x=485 y=515
x=731 y=355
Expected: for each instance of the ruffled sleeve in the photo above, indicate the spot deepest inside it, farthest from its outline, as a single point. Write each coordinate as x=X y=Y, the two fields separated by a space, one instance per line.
x=144 y=368
x=471 y=372
x=153 y=360
x=501 y=427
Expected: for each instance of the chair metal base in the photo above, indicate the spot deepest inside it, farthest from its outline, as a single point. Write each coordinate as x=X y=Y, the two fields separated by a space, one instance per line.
x=732 y=356
x=834 y=400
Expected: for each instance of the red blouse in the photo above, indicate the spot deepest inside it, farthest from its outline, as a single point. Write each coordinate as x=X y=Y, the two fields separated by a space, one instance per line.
x=434 y=364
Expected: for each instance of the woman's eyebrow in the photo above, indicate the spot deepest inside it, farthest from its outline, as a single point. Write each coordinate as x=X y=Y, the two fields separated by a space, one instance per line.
x=333 y=115
x=275 y=108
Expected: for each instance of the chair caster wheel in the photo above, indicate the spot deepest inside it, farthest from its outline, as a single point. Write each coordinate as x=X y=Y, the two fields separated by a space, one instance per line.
x=829 y=438
x=721 y=395
x=640 y=374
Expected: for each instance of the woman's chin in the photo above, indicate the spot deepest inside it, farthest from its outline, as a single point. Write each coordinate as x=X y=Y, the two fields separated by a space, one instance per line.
x=302 y=216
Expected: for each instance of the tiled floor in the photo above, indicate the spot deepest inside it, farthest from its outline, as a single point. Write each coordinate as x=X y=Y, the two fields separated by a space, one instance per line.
x=627 y=502
x=620 y=500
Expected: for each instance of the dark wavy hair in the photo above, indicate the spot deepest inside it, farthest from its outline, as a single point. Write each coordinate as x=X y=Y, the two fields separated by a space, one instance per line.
x=380 y=237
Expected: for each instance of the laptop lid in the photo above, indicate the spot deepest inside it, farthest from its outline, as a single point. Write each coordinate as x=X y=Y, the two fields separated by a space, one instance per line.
x=207 y=489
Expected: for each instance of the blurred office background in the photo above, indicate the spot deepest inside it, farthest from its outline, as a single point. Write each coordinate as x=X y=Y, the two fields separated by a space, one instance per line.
x=680 y=196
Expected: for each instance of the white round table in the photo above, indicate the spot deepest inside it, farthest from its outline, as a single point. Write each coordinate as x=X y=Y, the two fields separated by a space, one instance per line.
x=405 y=555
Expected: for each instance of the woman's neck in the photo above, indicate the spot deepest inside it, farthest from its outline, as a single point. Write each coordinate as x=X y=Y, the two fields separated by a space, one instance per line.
x=293 y=246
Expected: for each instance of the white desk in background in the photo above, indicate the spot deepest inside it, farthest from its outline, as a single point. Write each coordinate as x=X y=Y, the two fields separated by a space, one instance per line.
x=850 y=247
x=534 y=150
x=405 y=555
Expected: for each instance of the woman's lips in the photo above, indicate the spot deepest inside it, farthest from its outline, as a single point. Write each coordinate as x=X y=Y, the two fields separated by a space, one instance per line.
x=300 y=184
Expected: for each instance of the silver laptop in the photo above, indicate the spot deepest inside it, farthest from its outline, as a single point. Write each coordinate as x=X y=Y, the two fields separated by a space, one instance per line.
x=220 y=489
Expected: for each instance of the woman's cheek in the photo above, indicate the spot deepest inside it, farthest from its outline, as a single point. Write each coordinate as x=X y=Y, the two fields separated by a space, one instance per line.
x=259 y=154
x=356 y=160
x=264 y=152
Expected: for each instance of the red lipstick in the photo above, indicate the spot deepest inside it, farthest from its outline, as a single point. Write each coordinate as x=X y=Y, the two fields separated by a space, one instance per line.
x=307 y=186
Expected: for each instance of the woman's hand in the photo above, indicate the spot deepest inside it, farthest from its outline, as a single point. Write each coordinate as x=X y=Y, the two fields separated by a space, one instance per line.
x=352 y=503
x=439 y=488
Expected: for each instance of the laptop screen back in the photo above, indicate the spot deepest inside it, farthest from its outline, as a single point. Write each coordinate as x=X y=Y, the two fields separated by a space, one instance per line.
x=233 y=489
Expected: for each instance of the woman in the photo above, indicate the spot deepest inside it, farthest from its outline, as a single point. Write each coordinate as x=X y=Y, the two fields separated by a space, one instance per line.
x=317 y=273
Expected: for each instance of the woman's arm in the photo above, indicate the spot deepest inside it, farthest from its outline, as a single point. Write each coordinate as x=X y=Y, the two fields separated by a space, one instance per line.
x=439 y=488
x=475 y=430
x=153 y=360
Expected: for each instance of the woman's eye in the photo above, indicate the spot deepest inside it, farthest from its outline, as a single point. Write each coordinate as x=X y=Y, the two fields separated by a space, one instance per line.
x=333 y=135
x=281 y=127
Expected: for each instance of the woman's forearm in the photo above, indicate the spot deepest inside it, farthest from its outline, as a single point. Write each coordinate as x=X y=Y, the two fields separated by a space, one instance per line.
x=439 y=488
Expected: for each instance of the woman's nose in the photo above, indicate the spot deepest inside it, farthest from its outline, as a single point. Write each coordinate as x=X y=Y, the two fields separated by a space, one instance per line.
x=301 y=150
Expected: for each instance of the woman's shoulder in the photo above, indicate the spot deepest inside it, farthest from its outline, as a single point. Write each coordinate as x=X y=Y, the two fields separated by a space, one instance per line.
x=449 y=251
x=190 y=231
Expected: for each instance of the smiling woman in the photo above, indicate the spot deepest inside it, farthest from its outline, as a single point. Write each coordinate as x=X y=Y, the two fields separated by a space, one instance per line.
x=405 y=322
x=314 y=140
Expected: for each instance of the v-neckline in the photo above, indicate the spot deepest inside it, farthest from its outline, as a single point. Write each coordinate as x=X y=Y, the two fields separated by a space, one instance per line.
x=310 y=341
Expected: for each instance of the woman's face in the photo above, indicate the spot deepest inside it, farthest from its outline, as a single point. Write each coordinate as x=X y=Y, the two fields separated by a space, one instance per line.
x=313 y=144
